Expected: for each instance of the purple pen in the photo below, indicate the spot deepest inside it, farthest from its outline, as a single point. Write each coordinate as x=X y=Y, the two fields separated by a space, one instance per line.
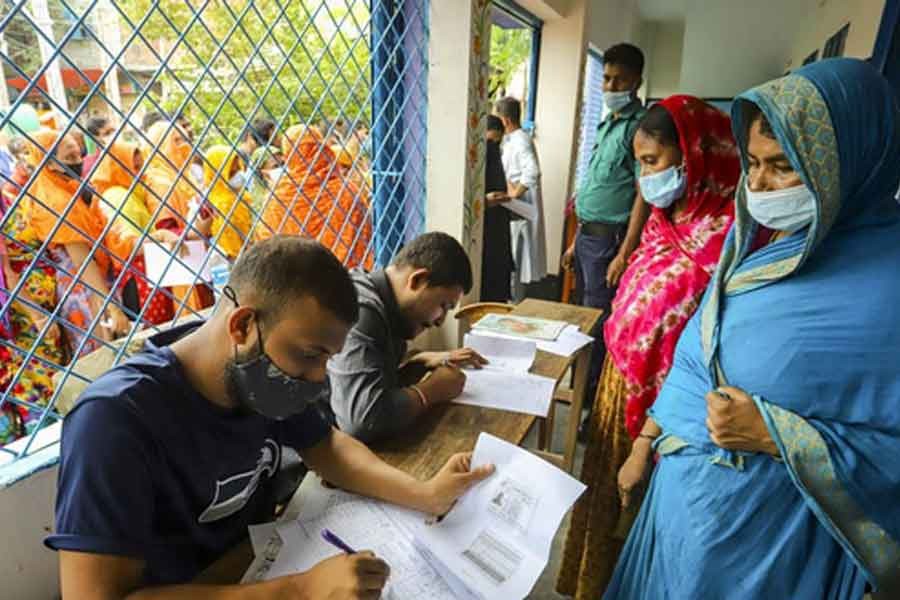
x=337 y=542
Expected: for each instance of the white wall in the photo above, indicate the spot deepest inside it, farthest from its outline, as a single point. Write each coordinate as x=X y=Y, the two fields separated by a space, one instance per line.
x=731 y=45
x=824 y=21
x=563 y=45
x=664 y=43
x=28 y=570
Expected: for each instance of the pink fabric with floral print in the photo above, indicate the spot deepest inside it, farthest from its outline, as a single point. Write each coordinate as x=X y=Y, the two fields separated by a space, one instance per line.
x=667 y=274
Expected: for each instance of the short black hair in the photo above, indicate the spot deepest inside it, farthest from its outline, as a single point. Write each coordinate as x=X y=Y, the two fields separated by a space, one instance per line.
x=510 y=108
x=95 y=124
x=151 y=118
x=494 y=123
x=659 y=125
x=752 y=114
x=625 y=55
x=273 y=272
x=442 y=255
x=262 y=130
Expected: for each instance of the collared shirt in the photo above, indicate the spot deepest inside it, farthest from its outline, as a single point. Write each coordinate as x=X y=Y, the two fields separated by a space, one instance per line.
x=520 y=162
x=606 y=192
x=367 y=397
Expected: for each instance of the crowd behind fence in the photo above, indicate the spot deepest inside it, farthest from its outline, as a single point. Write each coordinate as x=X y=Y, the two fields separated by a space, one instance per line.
x=119 y=218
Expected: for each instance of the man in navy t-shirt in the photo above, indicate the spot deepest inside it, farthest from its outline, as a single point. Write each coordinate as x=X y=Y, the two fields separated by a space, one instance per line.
x=169 y=456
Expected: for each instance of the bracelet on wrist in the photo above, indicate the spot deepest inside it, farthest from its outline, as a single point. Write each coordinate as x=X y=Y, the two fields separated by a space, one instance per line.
x=647 y=436
x=423 y=399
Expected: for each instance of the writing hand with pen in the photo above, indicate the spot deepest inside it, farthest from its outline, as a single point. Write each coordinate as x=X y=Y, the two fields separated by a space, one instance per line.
x=361 y=575
x=446 y=380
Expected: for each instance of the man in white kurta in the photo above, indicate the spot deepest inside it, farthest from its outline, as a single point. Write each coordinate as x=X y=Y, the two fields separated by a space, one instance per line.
x=523 y=176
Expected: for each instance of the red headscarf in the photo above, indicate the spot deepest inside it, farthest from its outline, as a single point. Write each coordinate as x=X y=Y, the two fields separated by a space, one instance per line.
x=669 y=271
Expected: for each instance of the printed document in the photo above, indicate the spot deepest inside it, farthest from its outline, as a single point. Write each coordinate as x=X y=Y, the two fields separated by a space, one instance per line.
x=505 y=383
x=497 y=539
x=364 y=524
x=570 y=341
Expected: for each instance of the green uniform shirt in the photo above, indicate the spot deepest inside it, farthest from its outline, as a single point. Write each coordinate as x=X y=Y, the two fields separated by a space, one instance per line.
x=606 y=191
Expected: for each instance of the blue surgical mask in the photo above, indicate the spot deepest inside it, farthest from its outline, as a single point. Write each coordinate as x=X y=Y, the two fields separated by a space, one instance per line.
x=237 y=181
x=790 y=209
x=616 y=101
x=260 y=386
x=663 y=188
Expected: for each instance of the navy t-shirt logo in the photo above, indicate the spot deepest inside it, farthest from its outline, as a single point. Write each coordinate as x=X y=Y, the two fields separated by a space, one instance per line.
x=232 y=493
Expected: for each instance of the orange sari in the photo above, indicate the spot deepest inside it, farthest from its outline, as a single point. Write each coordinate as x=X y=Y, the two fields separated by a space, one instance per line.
x=313 y=199
x=51 y=193
x=51 y=199
x=131 y=218
x=168 y=154
x=167 y=157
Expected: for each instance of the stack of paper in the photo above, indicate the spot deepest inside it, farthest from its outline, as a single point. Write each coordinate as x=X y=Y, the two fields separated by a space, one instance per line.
x=494 y=544
x=505 y=382
x=497 y=539
x=570 y=340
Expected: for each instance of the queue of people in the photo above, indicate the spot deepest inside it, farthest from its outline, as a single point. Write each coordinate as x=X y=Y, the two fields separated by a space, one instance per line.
x=733 y=384
x=62 y=192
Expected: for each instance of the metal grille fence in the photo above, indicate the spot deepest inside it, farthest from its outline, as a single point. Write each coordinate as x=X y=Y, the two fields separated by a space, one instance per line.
x=304 y=117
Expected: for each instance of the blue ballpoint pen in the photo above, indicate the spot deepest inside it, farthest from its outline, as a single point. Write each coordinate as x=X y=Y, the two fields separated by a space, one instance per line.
x=337 y=542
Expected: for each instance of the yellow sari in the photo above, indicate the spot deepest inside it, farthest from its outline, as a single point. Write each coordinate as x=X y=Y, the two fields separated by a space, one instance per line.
x=236 y=225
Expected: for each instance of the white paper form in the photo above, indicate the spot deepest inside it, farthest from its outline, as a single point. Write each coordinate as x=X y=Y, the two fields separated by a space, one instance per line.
x=183 y=270
x=570 y=341
x=497 y=539
x=505 y=383
x=503 y=354
x=364 y=524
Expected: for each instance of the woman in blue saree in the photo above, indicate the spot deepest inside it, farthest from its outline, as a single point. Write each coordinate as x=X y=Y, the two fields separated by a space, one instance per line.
x=778 y=427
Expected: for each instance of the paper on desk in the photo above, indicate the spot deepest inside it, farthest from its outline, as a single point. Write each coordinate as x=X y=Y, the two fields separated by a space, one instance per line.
x=164 y=269
x=497 y=539
x=260 y=536
x=516 y=392
x=505 y=383
x=503 y=353
x=364 y=524
x=570 y=341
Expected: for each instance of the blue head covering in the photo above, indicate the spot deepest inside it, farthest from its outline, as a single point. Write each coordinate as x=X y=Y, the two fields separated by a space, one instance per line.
x=838 y=122
x=810 y=323
x=809 y=326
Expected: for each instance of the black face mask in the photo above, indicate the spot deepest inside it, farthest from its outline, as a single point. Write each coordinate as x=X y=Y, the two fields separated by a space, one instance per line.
x=72 y=170
x=260 y=386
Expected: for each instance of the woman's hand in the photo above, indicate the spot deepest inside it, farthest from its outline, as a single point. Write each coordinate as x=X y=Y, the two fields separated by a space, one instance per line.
x=734 y=422
x=118 y=323
x=634 y=472
x=495 y=198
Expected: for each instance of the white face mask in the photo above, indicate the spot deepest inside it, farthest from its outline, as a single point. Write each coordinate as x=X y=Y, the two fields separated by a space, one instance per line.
x=237 y=181
x=664 y=188
x=790 y=209
x=616 y=101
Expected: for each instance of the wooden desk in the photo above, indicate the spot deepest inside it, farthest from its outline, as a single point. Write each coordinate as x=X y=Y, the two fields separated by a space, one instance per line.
x=454 y=428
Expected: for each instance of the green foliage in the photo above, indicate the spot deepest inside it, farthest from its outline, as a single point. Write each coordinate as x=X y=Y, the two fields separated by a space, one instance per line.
x=510 y=49
x=313 y=65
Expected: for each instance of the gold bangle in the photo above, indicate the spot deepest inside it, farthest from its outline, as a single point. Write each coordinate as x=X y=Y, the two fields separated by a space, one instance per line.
x=422 y=398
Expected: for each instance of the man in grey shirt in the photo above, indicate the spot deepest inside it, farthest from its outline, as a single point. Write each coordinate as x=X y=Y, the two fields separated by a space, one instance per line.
x=377 y=390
